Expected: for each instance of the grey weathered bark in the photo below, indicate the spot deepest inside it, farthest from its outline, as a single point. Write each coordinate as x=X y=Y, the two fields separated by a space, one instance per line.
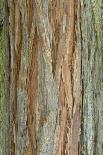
x=90 y=43
x=49 y=42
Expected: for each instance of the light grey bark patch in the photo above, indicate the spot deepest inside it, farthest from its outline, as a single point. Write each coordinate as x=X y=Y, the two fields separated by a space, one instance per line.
x=47 y=24
x=92 y=130
x=64 y=23
x=48 y=100
x=22 y=120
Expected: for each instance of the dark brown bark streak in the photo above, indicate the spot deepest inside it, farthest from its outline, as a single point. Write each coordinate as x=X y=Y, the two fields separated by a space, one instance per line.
x=32 y=88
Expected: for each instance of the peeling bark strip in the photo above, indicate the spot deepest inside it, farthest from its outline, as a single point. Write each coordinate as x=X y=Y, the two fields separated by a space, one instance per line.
x=44 y=78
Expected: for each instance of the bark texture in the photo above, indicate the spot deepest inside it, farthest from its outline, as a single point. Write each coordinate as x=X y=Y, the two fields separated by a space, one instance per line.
x=1 y=12
x=53 y=46
x=90 y=40
x=44 y=78
x=7 y=78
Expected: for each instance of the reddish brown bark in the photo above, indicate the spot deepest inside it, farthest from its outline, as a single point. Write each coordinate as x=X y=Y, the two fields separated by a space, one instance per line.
x=45 y=78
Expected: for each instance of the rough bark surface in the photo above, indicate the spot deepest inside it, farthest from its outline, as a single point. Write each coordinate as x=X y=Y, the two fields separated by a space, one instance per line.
x=44 y=78
x=53 y=46
x=6 y=120
x=90 y=40
x=1 y=12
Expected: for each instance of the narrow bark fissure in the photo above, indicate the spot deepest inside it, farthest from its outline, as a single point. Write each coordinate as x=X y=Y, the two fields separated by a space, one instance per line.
x=82 y=83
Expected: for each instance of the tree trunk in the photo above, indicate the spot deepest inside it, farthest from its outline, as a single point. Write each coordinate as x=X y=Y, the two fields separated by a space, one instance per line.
x=44 y=97
x=90 y=43
x=52 y=49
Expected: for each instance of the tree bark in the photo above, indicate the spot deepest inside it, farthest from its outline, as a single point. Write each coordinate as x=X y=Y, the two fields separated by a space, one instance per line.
x=44 y=97
x=90 y=41
x=52 y=59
